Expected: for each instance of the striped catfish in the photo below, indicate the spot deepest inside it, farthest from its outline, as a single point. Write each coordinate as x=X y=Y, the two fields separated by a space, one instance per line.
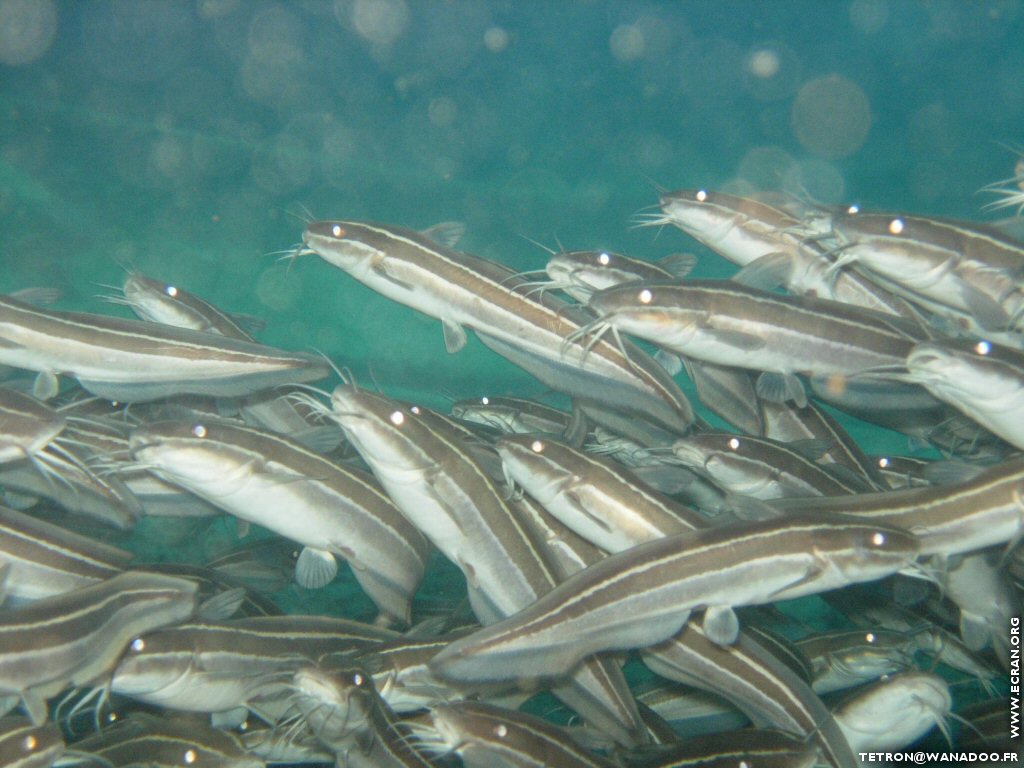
x=484 y=735
x=728 y=392
x=759 y=467
x=349 y=717
x=167 y=741
x=847 y=658
x=591 y=494
x=466 y=291
x=161 y=302
x=895 y=711
x=219 y=666
x=983 y=380
x=639 y=597
x=772 y=247
x=422 y=462
x=276 y=482
x=42 y=559
x=787 y=424
x=730 y=324
x=27 y=426
x=581 y=273
x=74 y=639
x=625 y=514
x=24 y=745
x=947 y=519
x=731 y=749
x=969 y=267
x=133 y=360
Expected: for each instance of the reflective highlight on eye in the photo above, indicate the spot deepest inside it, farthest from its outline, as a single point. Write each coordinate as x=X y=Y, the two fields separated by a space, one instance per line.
x=982 y=347
x=199 y=431
x=537 y=446
x=646 y=296
x=701 y=196
x=397 y=418
x=337 y=231
x=896 y=226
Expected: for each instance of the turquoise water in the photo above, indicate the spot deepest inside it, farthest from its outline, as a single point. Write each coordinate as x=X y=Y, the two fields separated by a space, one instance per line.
x=193 y=139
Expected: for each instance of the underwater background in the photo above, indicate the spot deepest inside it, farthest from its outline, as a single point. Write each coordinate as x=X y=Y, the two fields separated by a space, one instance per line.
x=193 y=140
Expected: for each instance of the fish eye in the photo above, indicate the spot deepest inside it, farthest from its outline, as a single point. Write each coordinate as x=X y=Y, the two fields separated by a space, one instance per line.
x=537 y=446
x=896 y=226
x=29 y=743
x=485 y=401
x=982 y=347
x=337 y=231
x=883 y=462
x=871 y=637
x=701 y=196
x=853 y=210
x=190 y=756
x=171 y=291
x=199 y=431
x=646 y=297
x=603 y=259
x=357 y=679
x=415 y=409
x=397 y=418
x=138 y=645
x=877 y=539
x=501 y=730
x=734 y=443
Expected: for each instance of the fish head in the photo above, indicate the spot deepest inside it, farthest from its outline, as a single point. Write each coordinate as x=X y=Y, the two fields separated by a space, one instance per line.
x=154 y=662
x=193 y=453
x=386 y=433
x=966 y=369
x=646 y=310
x=354 y=247
x=865 y=550
x=702 y=214
x=590 y=270
x=538 y=465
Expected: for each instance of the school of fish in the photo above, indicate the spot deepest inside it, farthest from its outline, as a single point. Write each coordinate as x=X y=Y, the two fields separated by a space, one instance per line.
x=663 y=581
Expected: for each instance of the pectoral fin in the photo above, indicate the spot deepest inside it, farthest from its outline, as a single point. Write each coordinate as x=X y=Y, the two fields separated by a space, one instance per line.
x=315 y=568
x=454 y=336
x=781 y=388
x=721 y=625
x=46 y=386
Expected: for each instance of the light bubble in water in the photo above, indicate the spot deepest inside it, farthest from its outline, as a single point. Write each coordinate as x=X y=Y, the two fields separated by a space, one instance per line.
x=831 y=116
x=442 y=111
x=495 y=39
x=816 y=179
x=765 y=167
x=771 y=71
x=27 y=28
x=137 y=42
x=763 y=63
x=276 y=290
x=271 y=30
x=215 y=9
x=380 y=21
x=627 y=43
x=869 y=16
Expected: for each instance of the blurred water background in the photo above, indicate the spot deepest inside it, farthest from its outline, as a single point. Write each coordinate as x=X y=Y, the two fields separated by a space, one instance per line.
x=191 y=138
